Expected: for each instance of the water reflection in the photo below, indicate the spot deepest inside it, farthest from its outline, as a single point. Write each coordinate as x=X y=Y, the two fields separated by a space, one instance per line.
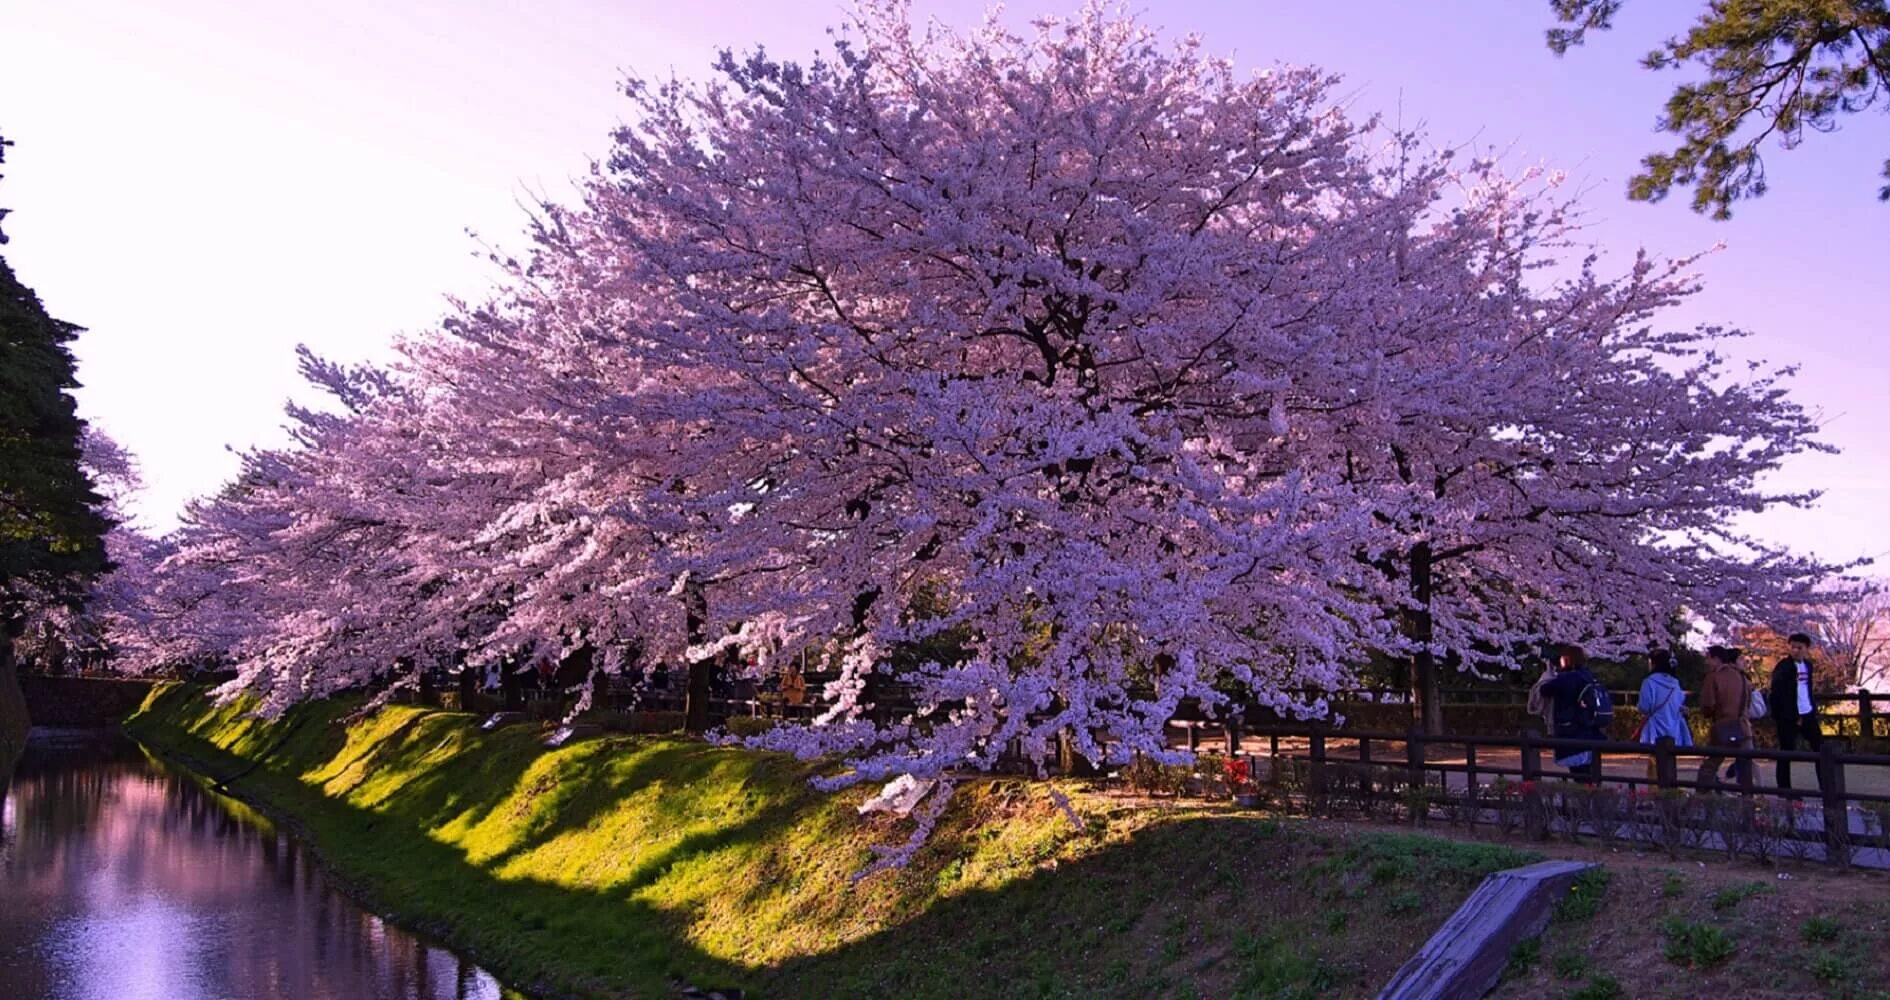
x=122 y=879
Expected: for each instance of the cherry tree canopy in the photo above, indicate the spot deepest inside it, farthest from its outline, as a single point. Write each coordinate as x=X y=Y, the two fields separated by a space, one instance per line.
x=1111 y=376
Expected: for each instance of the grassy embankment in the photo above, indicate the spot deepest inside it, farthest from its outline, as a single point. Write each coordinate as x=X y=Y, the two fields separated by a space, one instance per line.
x=625 y=865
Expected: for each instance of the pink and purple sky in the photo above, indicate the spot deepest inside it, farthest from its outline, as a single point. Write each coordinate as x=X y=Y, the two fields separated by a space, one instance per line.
x=203 y=184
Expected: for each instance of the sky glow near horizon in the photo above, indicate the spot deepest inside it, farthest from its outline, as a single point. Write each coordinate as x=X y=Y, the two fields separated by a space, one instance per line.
x=206 y=186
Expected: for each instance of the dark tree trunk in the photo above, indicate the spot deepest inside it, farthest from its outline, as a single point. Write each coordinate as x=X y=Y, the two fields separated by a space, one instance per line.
x=701 y=671
x=1427 y=712
x=13 y=720
x=1070 y=760
x=512 y=686
x=696 y=718
x=468 y=686
x=577 y=667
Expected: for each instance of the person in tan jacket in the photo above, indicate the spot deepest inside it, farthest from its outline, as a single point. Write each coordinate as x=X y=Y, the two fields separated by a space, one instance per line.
x=1724 y=696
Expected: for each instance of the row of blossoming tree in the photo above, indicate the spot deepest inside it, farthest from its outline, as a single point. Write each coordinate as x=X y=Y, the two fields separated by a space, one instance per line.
x=1159 y=380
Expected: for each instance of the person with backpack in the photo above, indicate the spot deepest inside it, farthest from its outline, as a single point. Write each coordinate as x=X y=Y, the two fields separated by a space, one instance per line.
x=1583 y=711
x=1725 y=700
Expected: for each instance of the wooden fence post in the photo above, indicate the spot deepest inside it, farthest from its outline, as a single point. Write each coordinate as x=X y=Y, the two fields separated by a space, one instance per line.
x=1866 y=718
x=1316 y=785
x=1666 y=771
x=1232 y=727
x=1414 y=762
x=1533 y=827
x=1837 y=814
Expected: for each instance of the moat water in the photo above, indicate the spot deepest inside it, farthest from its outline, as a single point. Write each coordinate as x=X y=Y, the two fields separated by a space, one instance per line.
x=124 y=878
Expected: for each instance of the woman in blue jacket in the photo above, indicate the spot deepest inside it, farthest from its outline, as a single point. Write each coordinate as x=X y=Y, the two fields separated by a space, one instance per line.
x=1663 y=703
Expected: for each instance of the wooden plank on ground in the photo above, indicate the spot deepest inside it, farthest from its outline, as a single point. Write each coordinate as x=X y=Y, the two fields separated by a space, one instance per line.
x=1465 y=958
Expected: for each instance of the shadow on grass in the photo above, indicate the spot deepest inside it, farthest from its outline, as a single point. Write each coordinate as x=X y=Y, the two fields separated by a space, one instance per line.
x=1222 y=907
x=543 y=938
x=735 y=849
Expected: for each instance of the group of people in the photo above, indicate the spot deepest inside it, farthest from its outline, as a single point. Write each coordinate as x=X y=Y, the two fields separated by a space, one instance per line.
x=1575 y=705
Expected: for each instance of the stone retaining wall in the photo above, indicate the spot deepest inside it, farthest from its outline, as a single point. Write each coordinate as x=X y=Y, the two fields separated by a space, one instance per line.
x=85 y=702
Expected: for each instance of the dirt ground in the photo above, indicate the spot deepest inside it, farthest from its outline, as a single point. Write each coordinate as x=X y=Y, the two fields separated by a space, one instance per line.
x=1793 y=930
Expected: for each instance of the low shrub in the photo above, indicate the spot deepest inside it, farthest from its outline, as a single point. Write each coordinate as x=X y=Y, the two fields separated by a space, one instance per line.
x=1599 y=987
x=1696 y=945
x=635 y=721
x=1523 y=958
x=1151 y=777
x=1732 y=895
x=1585 y=896
x=1829 y=967
x=1818 y=930
x=742 y=725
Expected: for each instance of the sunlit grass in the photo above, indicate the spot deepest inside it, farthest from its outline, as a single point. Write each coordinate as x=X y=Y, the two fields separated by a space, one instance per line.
x=625 y=864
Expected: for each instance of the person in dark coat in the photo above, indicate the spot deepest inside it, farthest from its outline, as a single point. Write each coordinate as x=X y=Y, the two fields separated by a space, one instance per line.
x=1565 y=689
x=1794 y=705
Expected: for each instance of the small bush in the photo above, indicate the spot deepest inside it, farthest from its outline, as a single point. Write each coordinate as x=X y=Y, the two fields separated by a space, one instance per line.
x=1829 y=967
x=1523 y=958
x=1391 y=857
x=742 y=725
x=635 y=721
x=1818 y=930
x=1151 y=777
x=1409 y=901
x=1599 y=987
x=1271 y=966
x=1585 y=896
x=1696 y=946
x=1570 y=965
x=1732 y=895
x=1673 y=886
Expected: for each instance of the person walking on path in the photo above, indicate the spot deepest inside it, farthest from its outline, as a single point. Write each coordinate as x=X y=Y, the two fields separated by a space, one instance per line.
x=1663 y=704
x=1582 y=711
x=1724 y=698
x=1794 y=706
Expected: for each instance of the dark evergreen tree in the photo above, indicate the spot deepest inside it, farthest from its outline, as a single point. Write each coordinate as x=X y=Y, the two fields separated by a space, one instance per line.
x=52 y=521
x=1773 y=67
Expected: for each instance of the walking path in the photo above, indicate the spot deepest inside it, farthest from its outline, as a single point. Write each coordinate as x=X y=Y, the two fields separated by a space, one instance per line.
x=1858 y=779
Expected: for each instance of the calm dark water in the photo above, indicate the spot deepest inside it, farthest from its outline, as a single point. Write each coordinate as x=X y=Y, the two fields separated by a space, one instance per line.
x=124 y=879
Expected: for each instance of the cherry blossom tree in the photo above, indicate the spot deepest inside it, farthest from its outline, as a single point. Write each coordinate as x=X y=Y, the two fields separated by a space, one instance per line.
x=1852 y=626
x=1014 y=317
x=1036 y=382
x=1545 y=460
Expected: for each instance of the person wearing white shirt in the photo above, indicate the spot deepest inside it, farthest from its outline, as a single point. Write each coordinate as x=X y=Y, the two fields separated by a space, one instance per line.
x=1794 y=705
